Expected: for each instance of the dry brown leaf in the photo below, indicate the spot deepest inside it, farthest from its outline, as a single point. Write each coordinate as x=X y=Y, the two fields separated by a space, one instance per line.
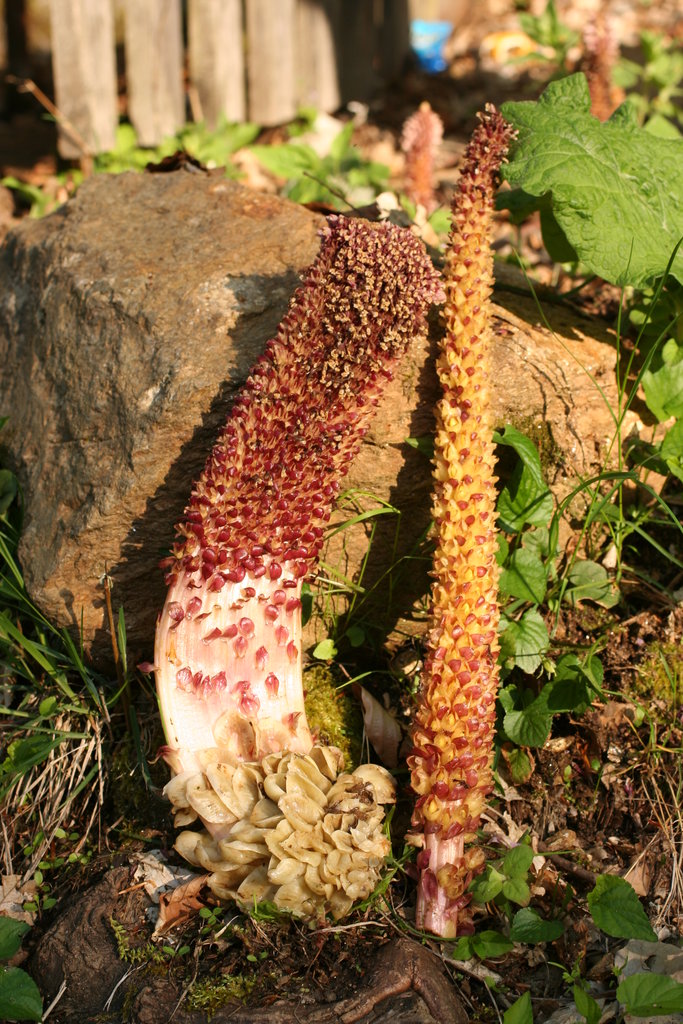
x=12 y=897
x=381 y=728
x=179 y=905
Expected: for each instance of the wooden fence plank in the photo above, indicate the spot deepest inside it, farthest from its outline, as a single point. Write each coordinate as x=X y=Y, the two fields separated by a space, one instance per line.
x=394 y=38
x=317 y=82
x=357 y=49
x=83 y=60
x=154 y=68
x=271 y=60
x=216 y=58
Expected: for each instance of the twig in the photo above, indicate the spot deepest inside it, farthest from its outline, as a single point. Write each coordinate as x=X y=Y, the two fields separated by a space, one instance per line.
x=62 y=990
x=567 y=865
x=29 y=86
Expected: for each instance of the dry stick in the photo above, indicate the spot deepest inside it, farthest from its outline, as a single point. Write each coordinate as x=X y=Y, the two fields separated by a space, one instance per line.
x=29 y=86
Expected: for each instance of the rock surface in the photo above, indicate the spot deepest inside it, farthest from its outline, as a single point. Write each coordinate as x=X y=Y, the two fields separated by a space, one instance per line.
x=128 y=320
x=400 y=983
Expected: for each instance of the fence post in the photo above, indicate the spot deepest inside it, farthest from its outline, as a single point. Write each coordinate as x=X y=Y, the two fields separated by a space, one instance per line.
x=317 y=77
x=83 y=49
x=357 y=50
x=216 y=58
x=154 y=68
x=270 y=60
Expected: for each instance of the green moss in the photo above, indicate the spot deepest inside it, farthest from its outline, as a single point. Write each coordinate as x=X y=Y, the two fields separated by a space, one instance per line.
x=147 y=953
x=333 y=713
x=541 y=433
x=211 y=994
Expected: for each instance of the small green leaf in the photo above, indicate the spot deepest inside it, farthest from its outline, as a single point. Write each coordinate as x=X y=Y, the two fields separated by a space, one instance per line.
x=518 y=861
x=520 y=765
x=425 y=445
x=571 y=687
x=526 y=498
x=617 y=910
x=530 y=726
x=663 y=381
x=523 y=642
x=355 y=635
x=525 y=576
x=325 y=650
x=19 y=995
x=487 y=886
x=590 y=582
x=520 y=1012
x=288 y=160
x=671 y=449
x=463 y=948
x=48 y=706
x=490 y=943
x=517 y=891
x=587 y=1006
x=11 y=932
x=651 y=995
x=528 y=926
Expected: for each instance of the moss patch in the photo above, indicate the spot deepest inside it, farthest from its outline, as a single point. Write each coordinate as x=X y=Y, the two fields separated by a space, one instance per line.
x=333 y=714
x=660 y=678
x=211 y=994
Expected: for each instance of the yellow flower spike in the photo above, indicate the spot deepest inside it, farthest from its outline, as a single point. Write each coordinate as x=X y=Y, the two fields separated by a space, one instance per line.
x=454 y=725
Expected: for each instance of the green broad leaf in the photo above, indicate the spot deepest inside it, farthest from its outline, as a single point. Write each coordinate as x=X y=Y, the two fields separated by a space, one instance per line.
x=288 y=160
x=503 y=549
x=662 y=127
x=671 y=449
x=517 y=891
x=355 y=635
x=490 y=943
x=462 y=950
x=555 y=240
x=529 y=726
x=525 y=576
x=487 y=886
x=306 y=603
x=519 y=203
x=616 y=189
x=523 y=641
x=518 y=861
x=572 y=686
x=341 y=143
x=19 y=995
x=11 y=932
x=520 y=1012
x=651 y=995
x=617 y=911
x=526 y=498
x=540 y=541
x=587 y=1006
x=48 y=706
x=589 y=581
x=663 y=381
x=519 y=765
x=528 y=926
x=325 y=650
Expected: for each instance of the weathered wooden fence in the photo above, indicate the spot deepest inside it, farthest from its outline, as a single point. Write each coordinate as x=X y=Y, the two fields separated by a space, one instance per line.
x=258 y=60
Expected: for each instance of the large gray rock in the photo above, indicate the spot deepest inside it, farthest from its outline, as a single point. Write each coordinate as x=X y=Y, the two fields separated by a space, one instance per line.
x=129 y=318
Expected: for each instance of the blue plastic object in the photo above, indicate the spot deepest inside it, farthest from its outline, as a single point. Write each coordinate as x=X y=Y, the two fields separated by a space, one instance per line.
x=427 y=39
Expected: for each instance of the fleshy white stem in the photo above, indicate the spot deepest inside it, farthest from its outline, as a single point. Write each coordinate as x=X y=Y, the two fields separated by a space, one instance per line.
x=454 y=724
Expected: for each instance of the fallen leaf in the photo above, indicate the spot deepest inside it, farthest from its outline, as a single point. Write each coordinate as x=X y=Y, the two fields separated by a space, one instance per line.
x=12 y=897
x=179 y=905
x=381 y=728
